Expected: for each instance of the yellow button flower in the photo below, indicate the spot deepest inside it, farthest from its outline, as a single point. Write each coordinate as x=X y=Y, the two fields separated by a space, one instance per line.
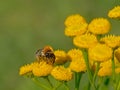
x=74 y=30
x=117 y=62
x=115 y=12
x=61 y=73
x=100 y=52
x=99 y=26
x=111 y=40
x=41 y=68
x=75 y=54
x=105 y=71
x=78 y=65
x=61 y=57
x=117 y=54
x=74 y=20
x=25 y=69
x=117 y=70
x=85 y=41
x=107 y=63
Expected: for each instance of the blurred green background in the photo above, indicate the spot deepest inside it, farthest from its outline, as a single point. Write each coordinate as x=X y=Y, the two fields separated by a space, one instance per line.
x=26 y=25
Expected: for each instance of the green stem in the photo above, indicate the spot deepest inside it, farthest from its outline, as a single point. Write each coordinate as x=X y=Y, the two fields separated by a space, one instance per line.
x=85 y=53
x=96 y=71
x=118 y=86
x=66 y=86
x=76 y=87
x=113 y=70
x=88 y=88
x=58 y=85
x=78 y=76
x=100 y=81
x=40 y=84
x=113 y=67
x=48 y=80
x=99 y=37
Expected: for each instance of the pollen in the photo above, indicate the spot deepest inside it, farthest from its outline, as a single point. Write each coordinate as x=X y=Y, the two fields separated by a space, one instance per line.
x=99 y=26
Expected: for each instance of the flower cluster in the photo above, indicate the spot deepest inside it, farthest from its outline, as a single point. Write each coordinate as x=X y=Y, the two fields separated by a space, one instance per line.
x=97 y=53
x=95 y=40
x=42 y=66
x=37 y=69
x=114 y=13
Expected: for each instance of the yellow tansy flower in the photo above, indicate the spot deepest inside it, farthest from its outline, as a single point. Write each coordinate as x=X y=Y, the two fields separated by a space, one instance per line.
x=111 y=40
x=100 y=52
x=75 y=54
x=74 y=30
x=115 y=12
x=41 y=69
x=106 y=68
x=74 y=20
x=78 y=65
x=25 y=69
x=117 y=70
x=117 y=54
x=85 y=41
x=61 y=73
x=99 y=26
x=105 y=71
x=107 y=63
x=117 y=62
x=61 y=57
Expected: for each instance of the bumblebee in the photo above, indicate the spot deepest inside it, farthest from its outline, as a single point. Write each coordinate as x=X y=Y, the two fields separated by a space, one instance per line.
x=45 y=54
